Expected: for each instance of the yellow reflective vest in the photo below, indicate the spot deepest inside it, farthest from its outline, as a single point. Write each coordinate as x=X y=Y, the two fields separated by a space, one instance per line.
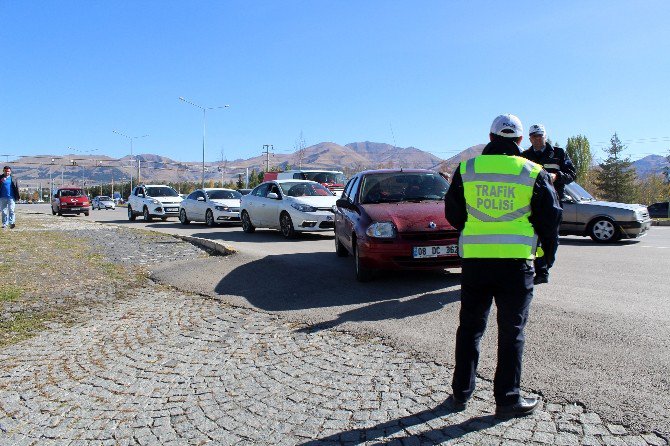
x=498 y=190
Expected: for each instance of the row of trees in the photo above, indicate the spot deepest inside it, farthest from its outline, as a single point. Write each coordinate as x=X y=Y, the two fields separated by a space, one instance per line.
x=615 y=179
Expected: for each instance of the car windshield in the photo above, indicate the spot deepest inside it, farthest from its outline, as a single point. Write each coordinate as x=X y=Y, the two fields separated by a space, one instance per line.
x=578 y=192
x=325 y=177
x=71 y=193
x=161 y=192
x=223 y=194
x=104 y=199
x=303 y=189
x=402 y=186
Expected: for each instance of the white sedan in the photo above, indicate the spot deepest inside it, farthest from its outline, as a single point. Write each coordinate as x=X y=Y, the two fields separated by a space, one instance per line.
x=211 y=206
x=288 y=205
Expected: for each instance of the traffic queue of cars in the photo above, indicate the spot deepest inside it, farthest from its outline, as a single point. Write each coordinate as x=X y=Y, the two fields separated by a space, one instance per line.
x=391 y=219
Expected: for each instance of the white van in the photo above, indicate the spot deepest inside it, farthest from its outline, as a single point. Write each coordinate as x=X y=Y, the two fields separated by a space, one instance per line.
x=332 y=179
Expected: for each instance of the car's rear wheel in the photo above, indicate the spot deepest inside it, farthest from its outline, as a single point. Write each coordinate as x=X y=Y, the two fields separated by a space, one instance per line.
x=246 y=223
x=146 y=215
x=131 y=215
x=604 y=231
x=182 y=217
x=286 y=225
x=340 y=250
x=363 y=274
x=209 y=218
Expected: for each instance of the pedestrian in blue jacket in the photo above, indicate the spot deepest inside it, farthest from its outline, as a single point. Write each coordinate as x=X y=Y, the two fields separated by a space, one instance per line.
x=9 y=193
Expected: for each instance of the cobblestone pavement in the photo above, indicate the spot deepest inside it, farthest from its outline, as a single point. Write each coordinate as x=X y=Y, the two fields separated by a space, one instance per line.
x=162 y=367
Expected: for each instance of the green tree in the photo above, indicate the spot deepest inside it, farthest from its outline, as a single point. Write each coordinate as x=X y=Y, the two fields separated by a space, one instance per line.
x=652 y=189
x=616 y=178
x=666 y=169
x=579 y=151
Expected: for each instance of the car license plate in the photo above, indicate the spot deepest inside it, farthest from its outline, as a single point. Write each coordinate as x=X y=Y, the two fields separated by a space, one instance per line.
x=171 y=209
x=423 y=252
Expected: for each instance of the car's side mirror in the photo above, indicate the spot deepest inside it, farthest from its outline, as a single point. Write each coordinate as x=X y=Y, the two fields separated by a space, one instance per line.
x=273 y=196
x=567 y=199
x=342 y=203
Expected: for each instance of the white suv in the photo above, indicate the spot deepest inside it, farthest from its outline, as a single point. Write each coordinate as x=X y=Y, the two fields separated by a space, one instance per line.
x=153 y=200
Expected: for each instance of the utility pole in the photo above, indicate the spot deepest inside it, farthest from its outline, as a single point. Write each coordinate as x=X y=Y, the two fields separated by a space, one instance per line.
x=266 y=149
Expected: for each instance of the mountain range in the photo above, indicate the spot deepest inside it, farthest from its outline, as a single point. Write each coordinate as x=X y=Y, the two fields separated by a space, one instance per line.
x=353 y=157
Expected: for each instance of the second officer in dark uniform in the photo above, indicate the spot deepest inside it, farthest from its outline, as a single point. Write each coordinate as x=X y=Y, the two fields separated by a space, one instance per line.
x=561 y=172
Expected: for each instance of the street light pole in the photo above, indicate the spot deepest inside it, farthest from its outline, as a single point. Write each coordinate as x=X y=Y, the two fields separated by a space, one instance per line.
x=131 y=138
x=204 y=127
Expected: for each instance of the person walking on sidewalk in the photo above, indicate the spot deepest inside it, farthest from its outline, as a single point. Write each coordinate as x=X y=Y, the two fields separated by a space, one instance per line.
x=9 y=193
x=561 y=170
x=501 y=203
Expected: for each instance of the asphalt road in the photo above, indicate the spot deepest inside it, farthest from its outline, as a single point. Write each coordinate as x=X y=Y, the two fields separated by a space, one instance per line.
x=599 y=333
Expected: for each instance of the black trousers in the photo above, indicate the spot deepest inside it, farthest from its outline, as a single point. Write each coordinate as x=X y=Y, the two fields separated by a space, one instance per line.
x=541 y=265
x=510 y=283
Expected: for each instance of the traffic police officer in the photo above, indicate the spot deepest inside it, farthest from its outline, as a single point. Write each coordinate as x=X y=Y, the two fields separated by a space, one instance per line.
x=561 y=171
x=501 y=203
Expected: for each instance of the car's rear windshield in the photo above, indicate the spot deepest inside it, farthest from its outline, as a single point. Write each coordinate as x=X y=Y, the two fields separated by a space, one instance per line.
x=402 y=186
x=325 y=177
x=224 y=194
x=103 y=198
x=71 y=193
x=161 y=192
x=303 y=189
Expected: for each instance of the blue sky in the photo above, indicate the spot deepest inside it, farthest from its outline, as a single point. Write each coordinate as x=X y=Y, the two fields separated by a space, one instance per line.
x=428 y=74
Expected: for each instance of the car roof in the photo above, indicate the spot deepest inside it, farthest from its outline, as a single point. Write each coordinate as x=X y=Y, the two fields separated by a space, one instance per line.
x=377 y=171
x=154 y=185
x=291 y=180
x=207 y=189
x=311 y=170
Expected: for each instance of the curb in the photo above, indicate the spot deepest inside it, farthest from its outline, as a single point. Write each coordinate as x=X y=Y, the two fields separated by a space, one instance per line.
x=660 y=222
x=217 y=247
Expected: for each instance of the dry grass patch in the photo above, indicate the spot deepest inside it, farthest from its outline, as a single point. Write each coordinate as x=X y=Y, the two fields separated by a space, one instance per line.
x=52 y=276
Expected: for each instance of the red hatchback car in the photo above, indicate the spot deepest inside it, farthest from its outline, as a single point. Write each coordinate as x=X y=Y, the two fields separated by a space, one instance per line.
x=70 y=200
x=394 y=219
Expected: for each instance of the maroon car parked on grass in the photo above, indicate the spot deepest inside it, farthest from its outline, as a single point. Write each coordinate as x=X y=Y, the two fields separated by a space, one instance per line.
x=394 y=219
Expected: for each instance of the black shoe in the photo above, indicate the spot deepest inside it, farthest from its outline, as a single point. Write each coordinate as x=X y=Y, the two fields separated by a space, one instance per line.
x=12 y=226
x=456 y=404
x=525 y=406
x=540 y=279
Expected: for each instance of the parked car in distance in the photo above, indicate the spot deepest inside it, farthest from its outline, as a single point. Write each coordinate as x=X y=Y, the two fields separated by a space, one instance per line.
x=213 y=206
x=332 y=179
x=393 y=219
x=103 y=202
x=153 y=200
x=603 y=221
x=70 y=200
x=291 y=206
x=659 y=210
